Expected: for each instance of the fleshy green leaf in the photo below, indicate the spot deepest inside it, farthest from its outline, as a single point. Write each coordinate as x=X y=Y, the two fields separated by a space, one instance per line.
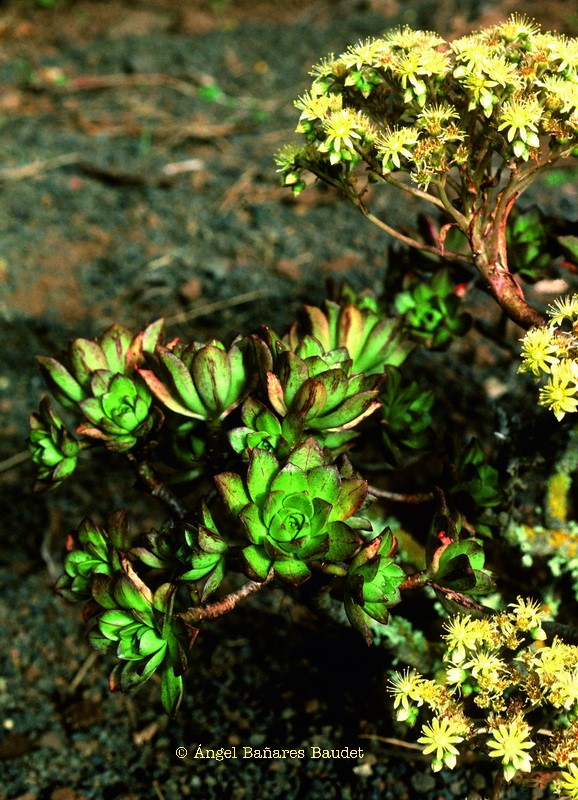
x=211 y=372
x=171 y=690
x=290 y=480
x=233 y=491
x=307 y=455
x=256 y=562
x=263 y=466
x=292 y=571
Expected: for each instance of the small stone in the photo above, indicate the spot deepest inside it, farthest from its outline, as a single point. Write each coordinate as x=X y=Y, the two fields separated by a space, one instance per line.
x=289 y=268
x=54 y=740
x=423 y=782
x=67 y=793
x=191 y=290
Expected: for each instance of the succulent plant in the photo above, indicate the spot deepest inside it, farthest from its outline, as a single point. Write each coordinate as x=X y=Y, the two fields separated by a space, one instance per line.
x=202 y=381
x=529 y=248
x=140 y=626
x=372 y=584
x=372 y=340
x=432 y=310
x=92 y=550
x=119 y=411
x=207 y=557
x=185 y=552
x=459 y=565
x=53 y=448
x=316 y=384
x=474 y=478
x=455 y=560
x=263 y=429
x=294 y=515
x=406 y=418
x=117 y=351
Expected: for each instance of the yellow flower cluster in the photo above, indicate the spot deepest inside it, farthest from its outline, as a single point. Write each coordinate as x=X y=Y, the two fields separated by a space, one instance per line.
x=552 y=351
x=498 y=673
x=416 y=101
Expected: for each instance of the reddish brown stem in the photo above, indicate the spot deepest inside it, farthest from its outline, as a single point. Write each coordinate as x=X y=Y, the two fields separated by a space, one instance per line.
x=507 y=293
x=415 y=581
x=458 y=597
x=401 y=497
x=225 y=604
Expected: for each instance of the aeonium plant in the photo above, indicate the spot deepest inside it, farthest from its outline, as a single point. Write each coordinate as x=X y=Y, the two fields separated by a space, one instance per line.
x=466 y=126
x=272 y=424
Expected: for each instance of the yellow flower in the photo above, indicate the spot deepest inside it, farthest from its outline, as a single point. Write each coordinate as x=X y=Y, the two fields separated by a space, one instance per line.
x=479 y=87
x=563 y=309
x=441 y=737
x=563 y=51
x=465 y=633
x=517 y=26
x=407 y=39
x=564 y=691
x=561 y=94
x=521 y=116
x=433 y=118
x=568 y=782
x=527 y=614
x=486 y=668
x=509 y=743
x=555 y=659
x=405 y=686
x=471 y=52
x=341 y=128
x=498 y=69
x=370 y=52
x=393 y=143
x=538 y=349
x=559 y=394
x=407 y=67
x=317 y=106
x=324 y=69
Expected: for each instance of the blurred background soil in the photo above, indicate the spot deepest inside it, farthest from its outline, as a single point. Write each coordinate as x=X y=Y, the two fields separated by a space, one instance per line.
x=137 y=180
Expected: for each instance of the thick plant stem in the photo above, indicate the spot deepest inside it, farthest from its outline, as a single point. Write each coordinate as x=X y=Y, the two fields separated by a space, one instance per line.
x=225 y=604
x=507 y=293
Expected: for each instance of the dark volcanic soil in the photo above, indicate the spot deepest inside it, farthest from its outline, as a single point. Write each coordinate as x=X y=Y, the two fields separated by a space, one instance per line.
x=137 y=181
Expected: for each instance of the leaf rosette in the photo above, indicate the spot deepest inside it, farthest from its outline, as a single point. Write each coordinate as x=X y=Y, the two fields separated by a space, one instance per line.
x=406 y=418
x=140 y=626
x=263 y=429
x=202 y=381
x=117 y=351
x=295 y=515
x=92 y=550
x=119 y=412
x=53 y=448
x=372 y=340
x=372 y=584
x=316 y=384
x=185 y=552
x=433 y=311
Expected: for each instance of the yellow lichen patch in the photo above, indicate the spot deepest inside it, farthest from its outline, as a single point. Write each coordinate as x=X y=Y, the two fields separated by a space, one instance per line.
x=564 y=542
x=557 y=498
